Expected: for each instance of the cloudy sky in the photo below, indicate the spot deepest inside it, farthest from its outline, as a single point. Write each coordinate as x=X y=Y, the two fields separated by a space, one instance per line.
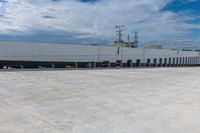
x=167 y=22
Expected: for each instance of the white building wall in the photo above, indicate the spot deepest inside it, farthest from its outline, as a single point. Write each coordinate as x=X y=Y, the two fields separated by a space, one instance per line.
x=132 y=54
x=86 y=53
x=108 y=54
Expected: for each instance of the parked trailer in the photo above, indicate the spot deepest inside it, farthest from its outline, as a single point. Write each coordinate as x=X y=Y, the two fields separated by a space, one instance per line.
x=39 y=55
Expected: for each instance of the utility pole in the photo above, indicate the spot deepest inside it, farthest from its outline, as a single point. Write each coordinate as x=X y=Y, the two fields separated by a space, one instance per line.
x=129 y=42
x=136 y=39
x=119 y=29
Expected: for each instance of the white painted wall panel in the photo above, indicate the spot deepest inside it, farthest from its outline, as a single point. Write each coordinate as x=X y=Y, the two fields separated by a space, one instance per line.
x=133 y=54
x=108 y=54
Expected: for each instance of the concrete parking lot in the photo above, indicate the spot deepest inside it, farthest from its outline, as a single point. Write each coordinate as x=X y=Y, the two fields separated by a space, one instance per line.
x=162 y=100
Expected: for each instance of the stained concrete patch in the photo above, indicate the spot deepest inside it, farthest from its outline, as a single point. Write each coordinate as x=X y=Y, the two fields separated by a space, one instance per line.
x=101 y=101
x=2 y=78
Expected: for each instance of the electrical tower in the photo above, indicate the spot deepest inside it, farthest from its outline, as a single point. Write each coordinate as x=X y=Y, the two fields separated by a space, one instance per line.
x=119 y=42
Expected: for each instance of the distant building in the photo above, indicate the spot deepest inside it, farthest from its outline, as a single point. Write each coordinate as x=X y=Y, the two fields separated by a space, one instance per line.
x=154 y=46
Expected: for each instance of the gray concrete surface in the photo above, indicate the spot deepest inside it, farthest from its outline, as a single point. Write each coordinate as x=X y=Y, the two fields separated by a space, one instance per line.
x=164 y=100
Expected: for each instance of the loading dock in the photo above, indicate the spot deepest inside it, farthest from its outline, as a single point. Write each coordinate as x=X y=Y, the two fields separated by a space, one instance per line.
x=86 y=56
x=129 y=63
x=160 y=62
x=155 y=62
x=119 y=63
x=165 y=62
x=148 y=62
x=138 y=62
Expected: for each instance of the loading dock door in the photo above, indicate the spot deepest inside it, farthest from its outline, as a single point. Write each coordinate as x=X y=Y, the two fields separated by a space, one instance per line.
x=148 y=62
x=129 y=63
x=155 y=62
x=177 y=61
x=174 y=61
x=138 y=62
x=165 y=62
x=160 y=62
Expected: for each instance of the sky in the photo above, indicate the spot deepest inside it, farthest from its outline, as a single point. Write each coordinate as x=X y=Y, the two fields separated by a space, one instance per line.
x=172 y=23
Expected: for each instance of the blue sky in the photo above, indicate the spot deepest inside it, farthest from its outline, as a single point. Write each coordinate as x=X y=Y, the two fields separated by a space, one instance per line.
x=189 y=8
x=173 y=23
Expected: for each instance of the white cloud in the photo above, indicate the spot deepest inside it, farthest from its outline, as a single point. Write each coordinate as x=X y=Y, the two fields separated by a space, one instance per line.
x=94 y=20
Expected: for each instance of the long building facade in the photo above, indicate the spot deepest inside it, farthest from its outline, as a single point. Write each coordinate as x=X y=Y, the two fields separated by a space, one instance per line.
x=34 y=55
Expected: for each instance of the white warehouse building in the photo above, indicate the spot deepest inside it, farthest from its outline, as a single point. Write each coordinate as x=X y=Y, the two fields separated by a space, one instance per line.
x=33 y=55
